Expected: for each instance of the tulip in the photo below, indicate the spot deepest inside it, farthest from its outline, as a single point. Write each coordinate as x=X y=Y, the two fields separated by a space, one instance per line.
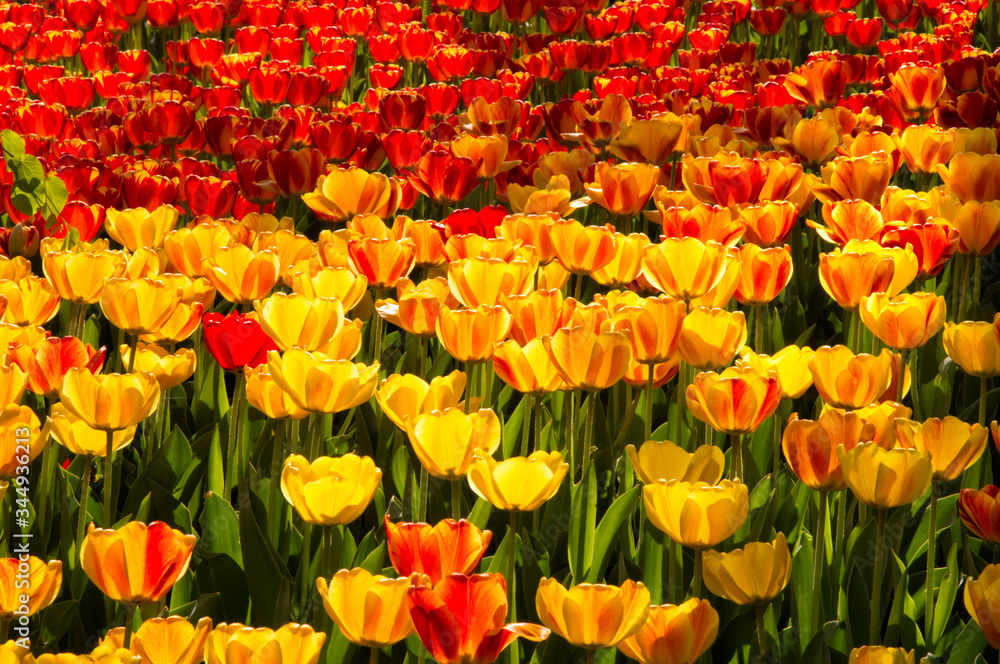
x=764 y=273
x=980 y=512
x=592 y=616
x=768 y=224
x=811 y=446
x=684 y=268
x=138 y=228
x=30 y=301
x=850 y=276
x=295 y=321
x=918 y=87
x=419 y=305
x=45 y=367
x=534 y=315
x=626 y=266
x=736 y=401
x=587 y=360
x=978 y=226
x=673 y=634
x=846 y=380
x=172 y=639
x=623 y=189
x=791 y=363
x=953 y=445
x=975 y=347
x=405 y=397
x=264 y=394
x=849 y=220
x=14 y=420
x=469 y=335
x=924 y=147
x=138 y=307
x=981 y=602
x=343 y=193
x=461 y=619
x=711 y=337
x=80 y=277
x=696 y=514
x=187 y=247
x=883 y=479
x=330 y=491
x=654 y=328
x=80 y=438
x=755 y=574
x=384 y=619
x=383 y=262
x=814 y=140
x=109 y=402
x=532 y=230
x=291 y=643
x=169 y=370
x=904 y=322
x=528 y=369
x=240 y=275
x=436 y=552
x=554 y=199
x=656 y=460
x=582 y=249
x=519 y=484
x=13 y=382
x=236 y=341
x=972 y=177
x=29 y=590
x=321 y=385
x=852 y=178
x=880 y=655
x=339 y=283
x=137 y=562
x=484 y=281
x=446 y=441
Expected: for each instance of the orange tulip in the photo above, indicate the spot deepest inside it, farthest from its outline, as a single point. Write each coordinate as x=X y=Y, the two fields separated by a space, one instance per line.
x=240 y=275
x=469 y=335
x=710 y=338
x=764 y=273
x=588 y=360
x=849 y=178
x=582 y=249
x=918 y=88
x=769 y=223
x=345 y=192
x=527 y=369
x=735 y=401
x=47 y=365
x=973 y=177
x=811 y=446
x=484 y=281
x=849 y=220
x=623 y=189
x=703 y=221
x=382 y=262
x=626 y=264
x=953 y=445
x=684 y=268
x=418 y=306
x=904 y=322
x=534 y=315
x=846 y=380
x=654 y=328
x=449 y=547
x=849 y=277
x=924 y=147
x=978 y=226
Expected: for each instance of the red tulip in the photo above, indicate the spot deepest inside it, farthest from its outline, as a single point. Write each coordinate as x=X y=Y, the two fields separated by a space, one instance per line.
x=450 y=547
x=236 y=341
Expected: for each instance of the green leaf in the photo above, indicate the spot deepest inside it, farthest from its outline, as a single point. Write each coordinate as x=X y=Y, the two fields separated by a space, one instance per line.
x=607 y=531
x=944 y=606
x=969 y=643
x=261 y=563
x=13 y=146
x=583 y=524
x=650 y=558
x=220 y=529
x=802 y=590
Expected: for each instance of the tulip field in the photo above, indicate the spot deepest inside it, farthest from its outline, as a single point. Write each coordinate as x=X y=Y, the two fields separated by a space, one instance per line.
x=519 y=331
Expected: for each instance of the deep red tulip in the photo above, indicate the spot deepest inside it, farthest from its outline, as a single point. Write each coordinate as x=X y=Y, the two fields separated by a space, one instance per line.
x=980 y=512
x=450 y=547
x=236 y=341
x=444 y=177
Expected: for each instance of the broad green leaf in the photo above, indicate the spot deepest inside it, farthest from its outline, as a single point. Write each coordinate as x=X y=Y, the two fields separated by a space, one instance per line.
x=220 y=529
x=583 y=524
x=607 y=532
x=802 y=590
x=13 y=145
x=261 y=563
x=944 y=606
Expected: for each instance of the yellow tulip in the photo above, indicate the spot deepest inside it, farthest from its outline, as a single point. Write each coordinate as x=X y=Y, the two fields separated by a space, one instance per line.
x=904 y=322
x=674 y=634
x=369 y=609
x=519 y=484
x=80 y=438
x=484 y=281
x=289 y=644
x=136 y=228
x=403 y=397
x=19 y=427
x=695 y=514
x=139 y=307
x=592 y=616
x=883 y=478
x=31 y=301
x=330 y=491
x=684 y=268
x=240 y=275
x=587 y=360
x=974 y=346
x=295 y=321
x=172 y=640
x=170 y=370
x=980 y=598
x=110 y=402
x=710 y=338
x=755 y=574
x=656 y=460
x=846 y=380
x=79 y=277
x=953 y=445
x=321 y=385
x=187 y=247
x=27 y=590
x=791 y=363
x=882 y=655
x=446 y=441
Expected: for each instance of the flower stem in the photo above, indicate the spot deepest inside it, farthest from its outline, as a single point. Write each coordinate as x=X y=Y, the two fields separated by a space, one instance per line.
x=317 y=435
x=819 y=549
x=761 y=629
x=538 y=422
x=983 y=384
x=131 y=354
x=875 y=617
x=838 y=544
x=681 y=380
x=422 y=495
x=977 y=281
x=277 y=449
x=696 y=580
x=588 y=433
x=456 y=499
x=526 y=424
x=374 y=656
x=736 y=462
x=109 y=466
x=590 y=656
x=129 y=619
x=511 y=560
x=902 y=377
x=81 y=528
x=759 y=328
x=929 y=587
x=649 y=402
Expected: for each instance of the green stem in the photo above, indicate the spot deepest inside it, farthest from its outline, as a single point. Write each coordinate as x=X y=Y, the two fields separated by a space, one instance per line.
x=875 y=612
x=838 y=543
x=696 y=579
x=590 y=656
x=118 y=356
x=374 y=656
x=672 y=570
x=819 y=549
x=131 y=354
x=304 y=558
x=242 y=458
x=488 y=389
x=526 y=424
x=277 y=449
x=422 y=495
x=129 y=619
x=775 y=446
x=759 y=328
x=81 y=528
x=588 y=434
x=977 y=281
x=983 y=383
x=681 y=380
x=109 y=465
x=470 y=381
x=856 y=325
x=316 y=437
x=571 y=434
x=649 y=402
x=929 y=587
x=736 y=464
x=511 y=560
x=379 y=326
x=538 y=422
x=761 y=629
x=902 y=377
x=456 y=499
